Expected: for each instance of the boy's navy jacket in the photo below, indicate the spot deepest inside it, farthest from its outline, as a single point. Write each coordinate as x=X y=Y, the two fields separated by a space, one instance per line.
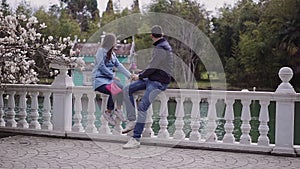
x=161 y=65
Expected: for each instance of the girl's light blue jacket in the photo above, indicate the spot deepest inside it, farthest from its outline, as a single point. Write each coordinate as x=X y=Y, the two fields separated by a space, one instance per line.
x=103 y=72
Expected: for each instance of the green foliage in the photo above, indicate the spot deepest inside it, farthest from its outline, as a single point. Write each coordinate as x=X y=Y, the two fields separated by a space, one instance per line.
x=143 y=41
x=92 y=7
x=63 y=26
x=4 y=8
x=189 y=10
x=136 y=6
x=68 y=26
x=84 y=12
x=24 y=9
x=78 y=8
x=285 y=24
x=255 y=39
x=108 y=15
x=50 y=20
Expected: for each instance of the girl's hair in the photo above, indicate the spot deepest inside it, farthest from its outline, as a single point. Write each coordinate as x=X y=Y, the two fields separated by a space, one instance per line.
x=108 y=43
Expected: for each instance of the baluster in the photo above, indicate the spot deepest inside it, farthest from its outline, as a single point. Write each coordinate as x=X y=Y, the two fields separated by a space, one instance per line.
x=136 y=98
x=2 y=122
x=148 y=132
x=263 y=128
x=22 y=123
x=104 y=128
x=10 y=114
x=195 y=120
x=77 y=127
x=179 y=123
x=229 y=117
x=163 y=122
x=91 y=128
x=246 y=117
x=211 y=124
x=118 y=128
x=47 y=125
x=34 y=114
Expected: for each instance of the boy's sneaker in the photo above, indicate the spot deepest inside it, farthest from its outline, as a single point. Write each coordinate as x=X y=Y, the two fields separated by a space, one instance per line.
x=109 y=117
x=129 y=127
x=120 y=115
x=132 y=143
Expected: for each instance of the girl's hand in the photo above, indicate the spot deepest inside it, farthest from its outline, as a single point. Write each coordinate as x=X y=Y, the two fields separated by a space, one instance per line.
x=116 y=78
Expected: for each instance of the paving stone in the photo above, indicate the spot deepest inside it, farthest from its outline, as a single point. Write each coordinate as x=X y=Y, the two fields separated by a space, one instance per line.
x=18 y=152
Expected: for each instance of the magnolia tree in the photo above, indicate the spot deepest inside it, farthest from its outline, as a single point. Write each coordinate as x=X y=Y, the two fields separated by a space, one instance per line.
x=20 y=40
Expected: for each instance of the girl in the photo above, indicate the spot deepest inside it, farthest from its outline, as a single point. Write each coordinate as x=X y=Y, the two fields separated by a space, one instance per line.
x=103 y=77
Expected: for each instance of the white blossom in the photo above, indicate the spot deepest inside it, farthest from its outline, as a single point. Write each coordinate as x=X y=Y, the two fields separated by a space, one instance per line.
x=23 y=17
x=50 y=38
x=18 y=43
x=12 y=69
x=43 y=26
x=11 y=77
x=33 y=20
x=29 y=25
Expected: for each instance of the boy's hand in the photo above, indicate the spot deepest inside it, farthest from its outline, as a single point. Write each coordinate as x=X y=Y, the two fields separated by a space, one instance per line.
x=134 y=77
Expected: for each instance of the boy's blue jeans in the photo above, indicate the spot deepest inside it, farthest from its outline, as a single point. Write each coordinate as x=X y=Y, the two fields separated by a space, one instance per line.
x=152 y=89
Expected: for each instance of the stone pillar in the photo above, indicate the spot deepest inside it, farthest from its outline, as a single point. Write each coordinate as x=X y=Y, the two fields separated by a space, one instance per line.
x=284 y=135
x=62 y=100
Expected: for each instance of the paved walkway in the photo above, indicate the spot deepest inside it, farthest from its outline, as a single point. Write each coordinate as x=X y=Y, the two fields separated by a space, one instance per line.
x=42 y=152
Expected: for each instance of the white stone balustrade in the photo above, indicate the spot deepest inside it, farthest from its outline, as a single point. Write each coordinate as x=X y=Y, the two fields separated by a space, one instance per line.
x=263 y=128
x=77 y=117
x=246 y=117
x=229 y=117
x=212 y=116
x=10 y=114
x=71 y=109
x=34 y=114
x=148 y=131
x=2 y=122
x=47 y=125
x=195 y=120
x=22 y=123
x=163 y=122
x=104 y=128
x=179 y=123
x=18 y=107
x=91 y=128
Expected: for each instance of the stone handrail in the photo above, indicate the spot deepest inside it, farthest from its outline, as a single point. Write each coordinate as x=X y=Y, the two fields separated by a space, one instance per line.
x=64 y=106
x=21 y=94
